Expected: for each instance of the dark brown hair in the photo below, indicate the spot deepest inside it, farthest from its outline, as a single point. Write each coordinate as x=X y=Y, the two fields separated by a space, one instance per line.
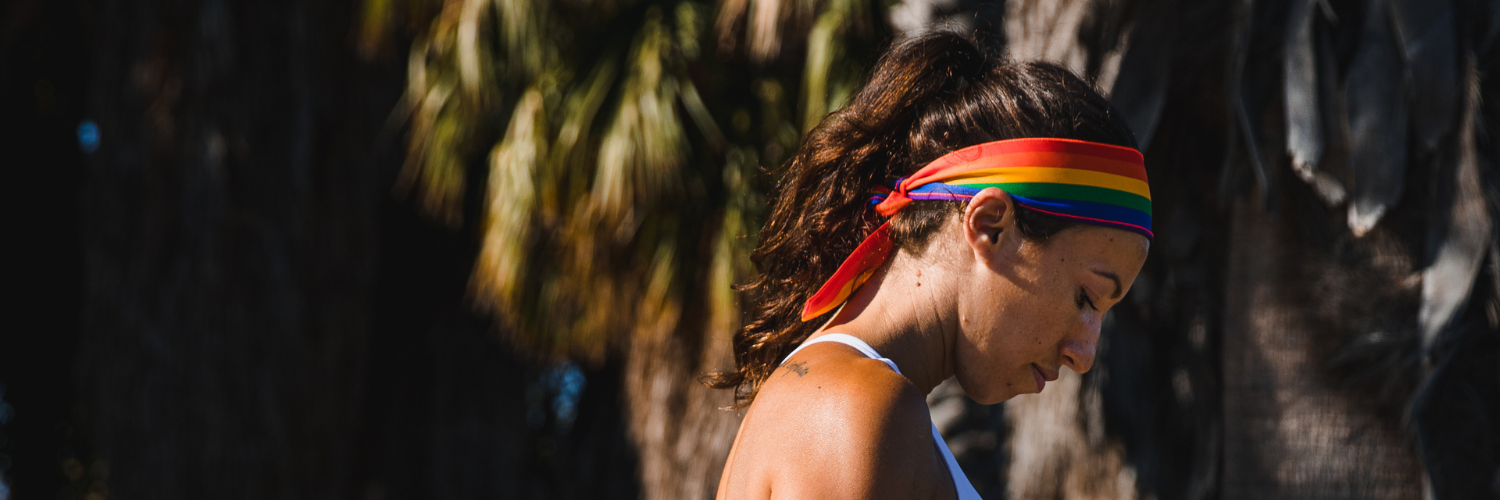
x=929 y=95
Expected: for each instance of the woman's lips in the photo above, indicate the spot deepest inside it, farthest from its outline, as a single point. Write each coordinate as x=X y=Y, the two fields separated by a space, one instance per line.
x=1041 y=380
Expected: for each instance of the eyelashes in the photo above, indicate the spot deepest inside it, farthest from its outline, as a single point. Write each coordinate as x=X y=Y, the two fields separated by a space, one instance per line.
x=1083 y=298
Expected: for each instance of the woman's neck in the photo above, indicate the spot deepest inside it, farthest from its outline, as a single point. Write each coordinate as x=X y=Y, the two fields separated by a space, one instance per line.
x=906 y=312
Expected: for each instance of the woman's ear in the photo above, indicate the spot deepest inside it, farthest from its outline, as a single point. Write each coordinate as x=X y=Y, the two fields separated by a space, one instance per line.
x=989 y=219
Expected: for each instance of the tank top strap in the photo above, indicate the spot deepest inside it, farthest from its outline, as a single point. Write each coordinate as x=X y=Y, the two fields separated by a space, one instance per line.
x=848 y=340
x=961 y=482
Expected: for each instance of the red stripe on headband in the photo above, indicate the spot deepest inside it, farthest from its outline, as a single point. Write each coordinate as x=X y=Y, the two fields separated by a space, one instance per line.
x=1039 y=145
x=1048 y=159
x=851 y=274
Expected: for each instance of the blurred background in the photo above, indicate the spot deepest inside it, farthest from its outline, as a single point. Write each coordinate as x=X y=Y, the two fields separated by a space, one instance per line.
x=389 y=249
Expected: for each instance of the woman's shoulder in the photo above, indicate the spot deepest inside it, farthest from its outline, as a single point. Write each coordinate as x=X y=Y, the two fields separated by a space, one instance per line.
x=830 y=416
x=838 y=380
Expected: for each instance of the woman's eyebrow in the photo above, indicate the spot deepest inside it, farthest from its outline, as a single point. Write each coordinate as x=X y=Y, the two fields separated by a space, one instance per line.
x=1115 y=278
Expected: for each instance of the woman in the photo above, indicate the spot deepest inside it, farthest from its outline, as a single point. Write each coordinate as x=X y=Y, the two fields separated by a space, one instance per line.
x=1010 y=212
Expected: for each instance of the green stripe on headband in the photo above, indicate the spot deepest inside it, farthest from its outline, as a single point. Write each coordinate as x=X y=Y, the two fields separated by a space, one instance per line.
x=1073 y=192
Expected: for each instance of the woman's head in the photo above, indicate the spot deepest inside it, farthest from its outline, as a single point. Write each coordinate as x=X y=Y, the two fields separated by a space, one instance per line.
x=1027 y=307
x=929 y=95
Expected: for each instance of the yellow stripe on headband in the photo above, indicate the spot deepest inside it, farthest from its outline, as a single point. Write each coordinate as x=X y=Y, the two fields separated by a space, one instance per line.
x=1052 y=175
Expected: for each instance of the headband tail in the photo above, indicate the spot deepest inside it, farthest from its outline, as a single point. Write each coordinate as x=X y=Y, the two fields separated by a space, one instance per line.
x=851 y=274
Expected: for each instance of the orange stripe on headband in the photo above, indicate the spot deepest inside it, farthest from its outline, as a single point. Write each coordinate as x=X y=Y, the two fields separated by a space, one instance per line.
x=1087 y=182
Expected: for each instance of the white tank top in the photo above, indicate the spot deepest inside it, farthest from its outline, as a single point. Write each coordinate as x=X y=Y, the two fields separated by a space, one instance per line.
x=960 y=482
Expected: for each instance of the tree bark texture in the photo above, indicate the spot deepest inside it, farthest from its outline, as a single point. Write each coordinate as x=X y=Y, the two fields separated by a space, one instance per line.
x=1059 y=448
x=681 y=427
x=1291 y=430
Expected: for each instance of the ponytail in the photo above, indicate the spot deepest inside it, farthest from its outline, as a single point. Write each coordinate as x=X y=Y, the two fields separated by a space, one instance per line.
x=929 y=95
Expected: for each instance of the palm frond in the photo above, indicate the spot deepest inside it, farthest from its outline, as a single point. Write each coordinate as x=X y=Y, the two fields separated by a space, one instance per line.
x=643 y=148
x=515 y=164
x=609 y=137
x=822 y=51
x=1136 y=89
x=1377 y=114
x=449 y=90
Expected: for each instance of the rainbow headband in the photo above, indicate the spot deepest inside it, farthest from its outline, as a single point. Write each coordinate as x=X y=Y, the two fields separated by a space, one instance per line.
x=1088 y=182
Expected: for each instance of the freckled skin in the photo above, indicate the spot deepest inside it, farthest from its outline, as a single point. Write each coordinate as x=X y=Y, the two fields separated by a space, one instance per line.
x=1035 y=290
x=996 y=309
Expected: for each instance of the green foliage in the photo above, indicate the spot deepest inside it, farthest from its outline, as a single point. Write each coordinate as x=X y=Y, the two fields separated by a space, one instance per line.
x=626 y=144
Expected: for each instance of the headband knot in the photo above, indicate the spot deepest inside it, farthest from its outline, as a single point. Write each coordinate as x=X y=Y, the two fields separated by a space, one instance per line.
x=1087 y=182
x=894 y=199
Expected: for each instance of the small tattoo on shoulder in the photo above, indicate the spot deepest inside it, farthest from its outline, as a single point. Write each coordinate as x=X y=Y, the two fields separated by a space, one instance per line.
x=799 y=368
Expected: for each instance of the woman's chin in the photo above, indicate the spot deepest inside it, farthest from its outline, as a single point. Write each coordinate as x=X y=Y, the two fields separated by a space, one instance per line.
x=992 y=395
x=1001 y=398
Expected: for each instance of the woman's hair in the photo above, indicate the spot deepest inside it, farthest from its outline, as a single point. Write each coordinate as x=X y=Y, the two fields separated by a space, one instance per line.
x=929 y=95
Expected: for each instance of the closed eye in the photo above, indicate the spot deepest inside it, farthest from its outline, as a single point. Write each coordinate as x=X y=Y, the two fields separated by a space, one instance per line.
x=1083 y=298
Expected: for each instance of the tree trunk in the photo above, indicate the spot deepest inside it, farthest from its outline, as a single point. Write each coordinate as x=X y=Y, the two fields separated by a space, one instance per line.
x=680 y=426
x=677 y=423
x=1290 y=430
x=1058 y=446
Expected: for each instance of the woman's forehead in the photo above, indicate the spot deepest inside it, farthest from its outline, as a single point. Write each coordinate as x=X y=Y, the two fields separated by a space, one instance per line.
x=1094 y=245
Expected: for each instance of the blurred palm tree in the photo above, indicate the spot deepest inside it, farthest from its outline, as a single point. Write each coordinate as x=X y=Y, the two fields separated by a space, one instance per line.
x=621 y=143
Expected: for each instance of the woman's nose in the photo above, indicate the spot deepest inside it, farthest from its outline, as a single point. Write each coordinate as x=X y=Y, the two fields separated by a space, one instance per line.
x=1078 y=354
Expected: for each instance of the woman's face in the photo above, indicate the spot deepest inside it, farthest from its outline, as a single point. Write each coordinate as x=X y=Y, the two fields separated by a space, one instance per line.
x=1033 y=307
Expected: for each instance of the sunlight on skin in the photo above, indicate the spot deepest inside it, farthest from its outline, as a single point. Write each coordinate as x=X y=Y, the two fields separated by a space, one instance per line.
x=1040 y=307
x=1000 y=312
x=987 y=305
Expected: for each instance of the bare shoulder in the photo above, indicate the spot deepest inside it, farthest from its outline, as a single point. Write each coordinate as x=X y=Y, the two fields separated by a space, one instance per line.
x=838 y=381
x=831 y=423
